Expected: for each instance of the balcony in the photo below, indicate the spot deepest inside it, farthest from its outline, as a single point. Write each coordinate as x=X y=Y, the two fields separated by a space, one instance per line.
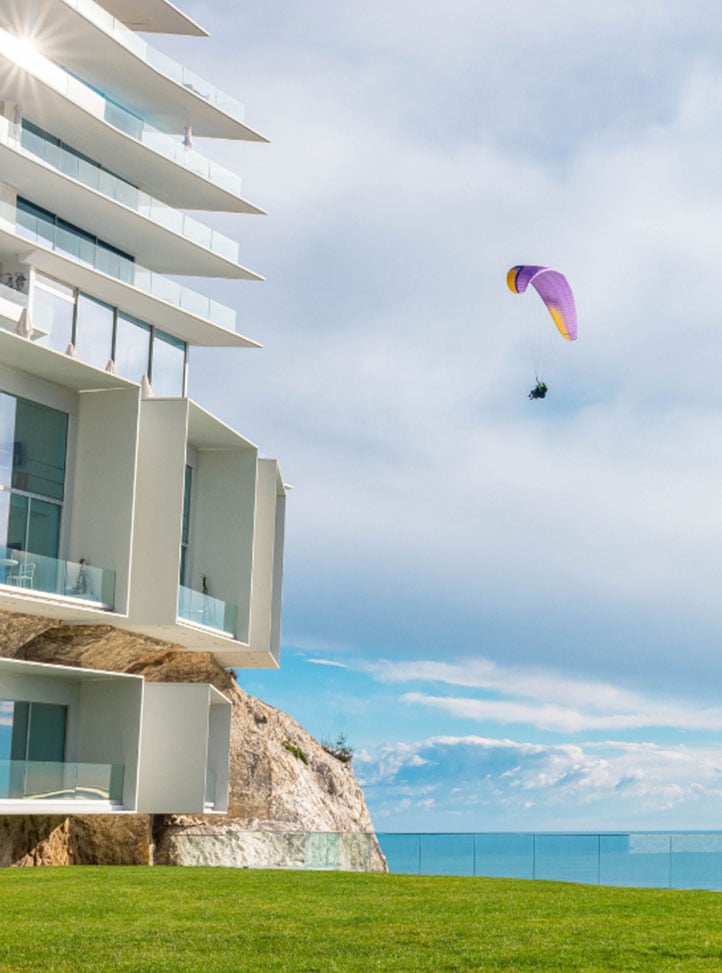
x=68 y=244
x=39 y=780
x=27 y=574
x=120 y=140
x=202 y=609
x=144 y=242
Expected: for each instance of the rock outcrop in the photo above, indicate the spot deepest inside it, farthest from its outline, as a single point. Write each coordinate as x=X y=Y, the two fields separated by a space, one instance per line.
x=291 y=804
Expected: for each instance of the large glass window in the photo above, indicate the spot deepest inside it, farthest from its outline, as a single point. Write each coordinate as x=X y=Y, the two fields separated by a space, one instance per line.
x=33 y=440
x=53 y=311
x=94 y=331
x=186 y=528
x=168 y=366
x=132 y=348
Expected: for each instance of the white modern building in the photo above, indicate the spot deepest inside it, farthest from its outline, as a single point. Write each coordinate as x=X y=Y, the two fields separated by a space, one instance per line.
x=122 y=501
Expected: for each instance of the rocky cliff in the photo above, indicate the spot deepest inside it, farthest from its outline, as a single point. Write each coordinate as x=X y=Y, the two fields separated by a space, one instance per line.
x=291 y=803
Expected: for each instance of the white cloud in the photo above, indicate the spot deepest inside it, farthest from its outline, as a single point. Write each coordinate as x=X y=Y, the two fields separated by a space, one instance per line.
x=544 y=699
x=623 y=784
x=327 y=662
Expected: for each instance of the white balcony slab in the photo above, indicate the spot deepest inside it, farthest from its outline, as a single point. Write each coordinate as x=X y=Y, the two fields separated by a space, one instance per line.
x=160 y=165
x=54 y=366
x=153 y=17
x=87 y=40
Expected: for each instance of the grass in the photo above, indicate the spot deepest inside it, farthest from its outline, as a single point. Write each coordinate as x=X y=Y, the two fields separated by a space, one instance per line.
x=153 y=920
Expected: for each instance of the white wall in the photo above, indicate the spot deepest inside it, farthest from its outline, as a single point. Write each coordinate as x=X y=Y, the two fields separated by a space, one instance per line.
x=267 y=560
x=173 y=748
x=103 y=482
x=108 y=729
x=222 y=527
x=158 y=511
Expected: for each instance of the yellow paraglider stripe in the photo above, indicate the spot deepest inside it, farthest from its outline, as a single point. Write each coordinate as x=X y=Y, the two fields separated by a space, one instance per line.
x=559 y=321
x=511 y=280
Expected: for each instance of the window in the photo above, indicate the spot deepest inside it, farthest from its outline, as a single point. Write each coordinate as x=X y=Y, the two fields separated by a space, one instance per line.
x=168 y=366
x=186 y=528
x=132 y=348
x=33 y=442
x=53 y=311
x=94 y=331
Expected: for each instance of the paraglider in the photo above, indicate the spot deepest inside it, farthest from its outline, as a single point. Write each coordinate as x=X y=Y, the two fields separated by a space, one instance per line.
x=554 y=290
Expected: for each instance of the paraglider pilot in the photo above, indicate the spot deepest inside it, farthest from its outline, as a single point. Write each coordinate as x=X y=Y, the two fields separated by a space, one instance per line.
x=539 y=391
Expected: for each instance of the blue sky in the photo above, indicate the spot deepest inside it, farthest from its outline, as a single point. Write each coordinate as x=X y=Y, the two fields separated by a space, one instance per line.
x=511 y=609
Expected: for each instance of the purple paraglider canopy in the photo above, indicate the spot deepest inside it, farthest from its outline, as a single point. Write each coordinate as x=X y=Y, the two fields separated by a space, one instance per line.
x=554 y=290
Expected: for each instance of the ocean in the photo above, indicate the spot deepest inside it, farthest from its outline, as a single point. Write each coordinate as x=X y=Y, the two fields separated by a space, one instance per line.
x=680 y=860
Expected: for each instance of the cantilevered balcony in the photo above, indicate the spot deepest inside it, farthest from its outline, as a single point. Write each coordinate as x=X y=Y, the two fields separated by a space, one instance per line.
x=56 y=251
x=165 y=238
x=99 y=48
x=121 y=141
x=202 y=609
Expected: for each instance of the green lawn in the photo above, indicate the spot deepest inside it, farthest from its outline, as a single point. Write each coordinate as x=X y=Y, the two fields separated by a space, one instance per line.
x=204 y=920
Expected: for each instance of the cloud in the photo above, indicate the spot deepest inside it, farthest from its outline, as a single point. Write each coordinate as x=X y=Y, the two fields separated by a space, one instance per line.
x=545 y=699
x=507 y=784
x=327 y=662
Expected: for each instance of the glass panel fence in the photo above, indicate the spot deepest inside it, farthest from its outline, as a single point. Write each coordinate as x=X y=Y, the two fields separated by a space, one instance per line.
x=97 y=104
x=194 y=606
x=161 y=62
x=120 y=191
x=36 y=572
x=62 y=240
x=627 y=859
x=36 y=780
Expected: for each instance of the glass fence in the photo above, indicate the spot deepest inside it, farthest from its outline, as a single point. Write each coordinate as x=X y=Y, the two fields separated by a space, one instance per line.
x=97 y=104
x=40 y=780
x=161 y=62
x=679 y=860
x=120 y=191
x=35 y=572
x=62 y=240
x=194 y=606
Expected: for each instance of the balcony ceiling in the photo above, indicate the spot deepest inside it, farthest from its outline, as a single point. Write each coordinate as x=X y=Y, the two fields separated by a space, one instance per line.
x=119 y=153
x=62 y=34
x=153 y=16
x=55 y=367
x=153 y=246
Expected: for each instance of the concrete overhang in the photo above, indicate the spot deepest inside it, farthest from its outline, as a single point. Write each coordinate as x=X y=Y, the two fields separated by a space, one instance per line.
x=153 y=17
x=56 y=367
x=62 y=106
x=49 y=669
x=205 y=431
x=154 y=245
x=108 y=56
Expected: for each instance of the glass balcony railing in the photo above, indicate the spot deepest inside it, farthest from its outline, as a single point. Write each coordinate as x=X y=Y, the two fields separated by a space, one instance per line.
x=196 y=607
x=70 y=244
x=161 y=62
x=28 y=572
x=12 y=293
x=40 y=780
x=210 y=798
x=97 y=104
x=118 y=190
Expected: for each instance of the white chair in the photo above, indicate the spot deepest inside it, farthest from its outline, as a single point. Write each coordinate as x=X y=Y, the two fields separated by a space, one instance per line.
x=24 y=576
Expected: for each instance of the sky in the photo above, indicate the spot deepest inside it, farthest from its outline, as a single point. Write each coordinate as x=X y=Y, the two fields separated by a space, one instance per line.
x=510 y=608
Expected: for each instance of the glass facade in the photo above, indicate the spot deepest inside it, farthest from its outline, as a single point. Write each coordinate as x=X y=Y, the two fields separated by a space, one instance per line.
x=186 y=527
x=53 y=312
x=101 y=332
x=94 y=331
x=167 y=375
x=132 y=348
x=33 y=443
